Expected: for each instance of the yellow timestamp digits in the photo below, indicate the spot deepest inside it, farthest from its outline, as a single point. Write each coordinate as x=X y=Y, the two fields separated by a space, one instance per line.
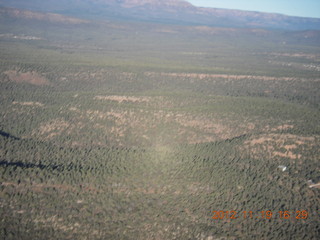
x=260 y=214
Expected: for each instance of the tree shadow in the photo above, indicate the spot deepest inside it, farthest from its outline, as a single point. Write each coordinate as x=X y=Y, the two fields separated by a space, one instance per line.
x=30 y=165
x=8 y=135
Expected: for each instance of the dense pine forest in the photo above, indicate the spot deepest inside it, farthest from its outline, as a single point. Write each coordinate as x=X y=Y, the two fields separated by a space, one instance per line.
x=134 y=130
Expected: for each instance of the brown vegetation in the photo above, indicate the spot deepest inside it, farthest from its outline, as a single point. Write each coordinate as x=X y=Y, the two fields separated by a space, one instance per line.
x=35 y=104
x=50 y=17
x=220 y=76
x=26 y=77
x=278 y=145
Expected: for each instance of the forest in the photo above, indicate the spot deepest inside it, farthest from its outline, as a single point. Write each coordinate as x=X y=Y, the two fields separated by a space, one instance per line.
x=135 y=130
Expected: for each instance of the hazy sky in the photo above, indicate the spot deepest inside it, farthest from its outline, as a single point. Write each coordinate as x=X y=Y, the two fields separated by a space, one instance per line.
x=304 y=8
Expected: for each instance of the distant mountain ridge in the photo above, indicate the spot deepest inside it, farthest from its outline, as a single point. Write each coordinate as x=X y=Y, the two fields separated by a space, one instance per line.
x=49 y=17
x=168 y=11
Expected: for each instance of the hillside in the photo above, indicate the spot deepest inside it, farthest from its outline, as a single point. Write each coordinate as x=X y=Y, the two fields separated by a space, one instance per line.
x=166 y=11
x=122 y=127
x=13 y=13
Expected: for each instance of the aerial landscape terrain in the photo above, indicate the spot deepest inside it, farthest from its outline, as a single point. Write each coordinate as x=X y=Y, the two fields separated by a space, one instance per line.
x=157 y=120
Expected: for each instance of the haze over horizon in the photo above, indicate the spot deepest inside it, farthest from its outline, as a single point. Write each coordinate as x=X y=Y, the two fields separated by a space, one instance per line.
x=306 y=8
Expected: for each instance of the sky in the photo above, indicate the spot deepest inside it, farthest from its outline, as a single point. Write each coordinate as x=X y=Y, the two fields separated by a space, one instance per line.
x=302 y=8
